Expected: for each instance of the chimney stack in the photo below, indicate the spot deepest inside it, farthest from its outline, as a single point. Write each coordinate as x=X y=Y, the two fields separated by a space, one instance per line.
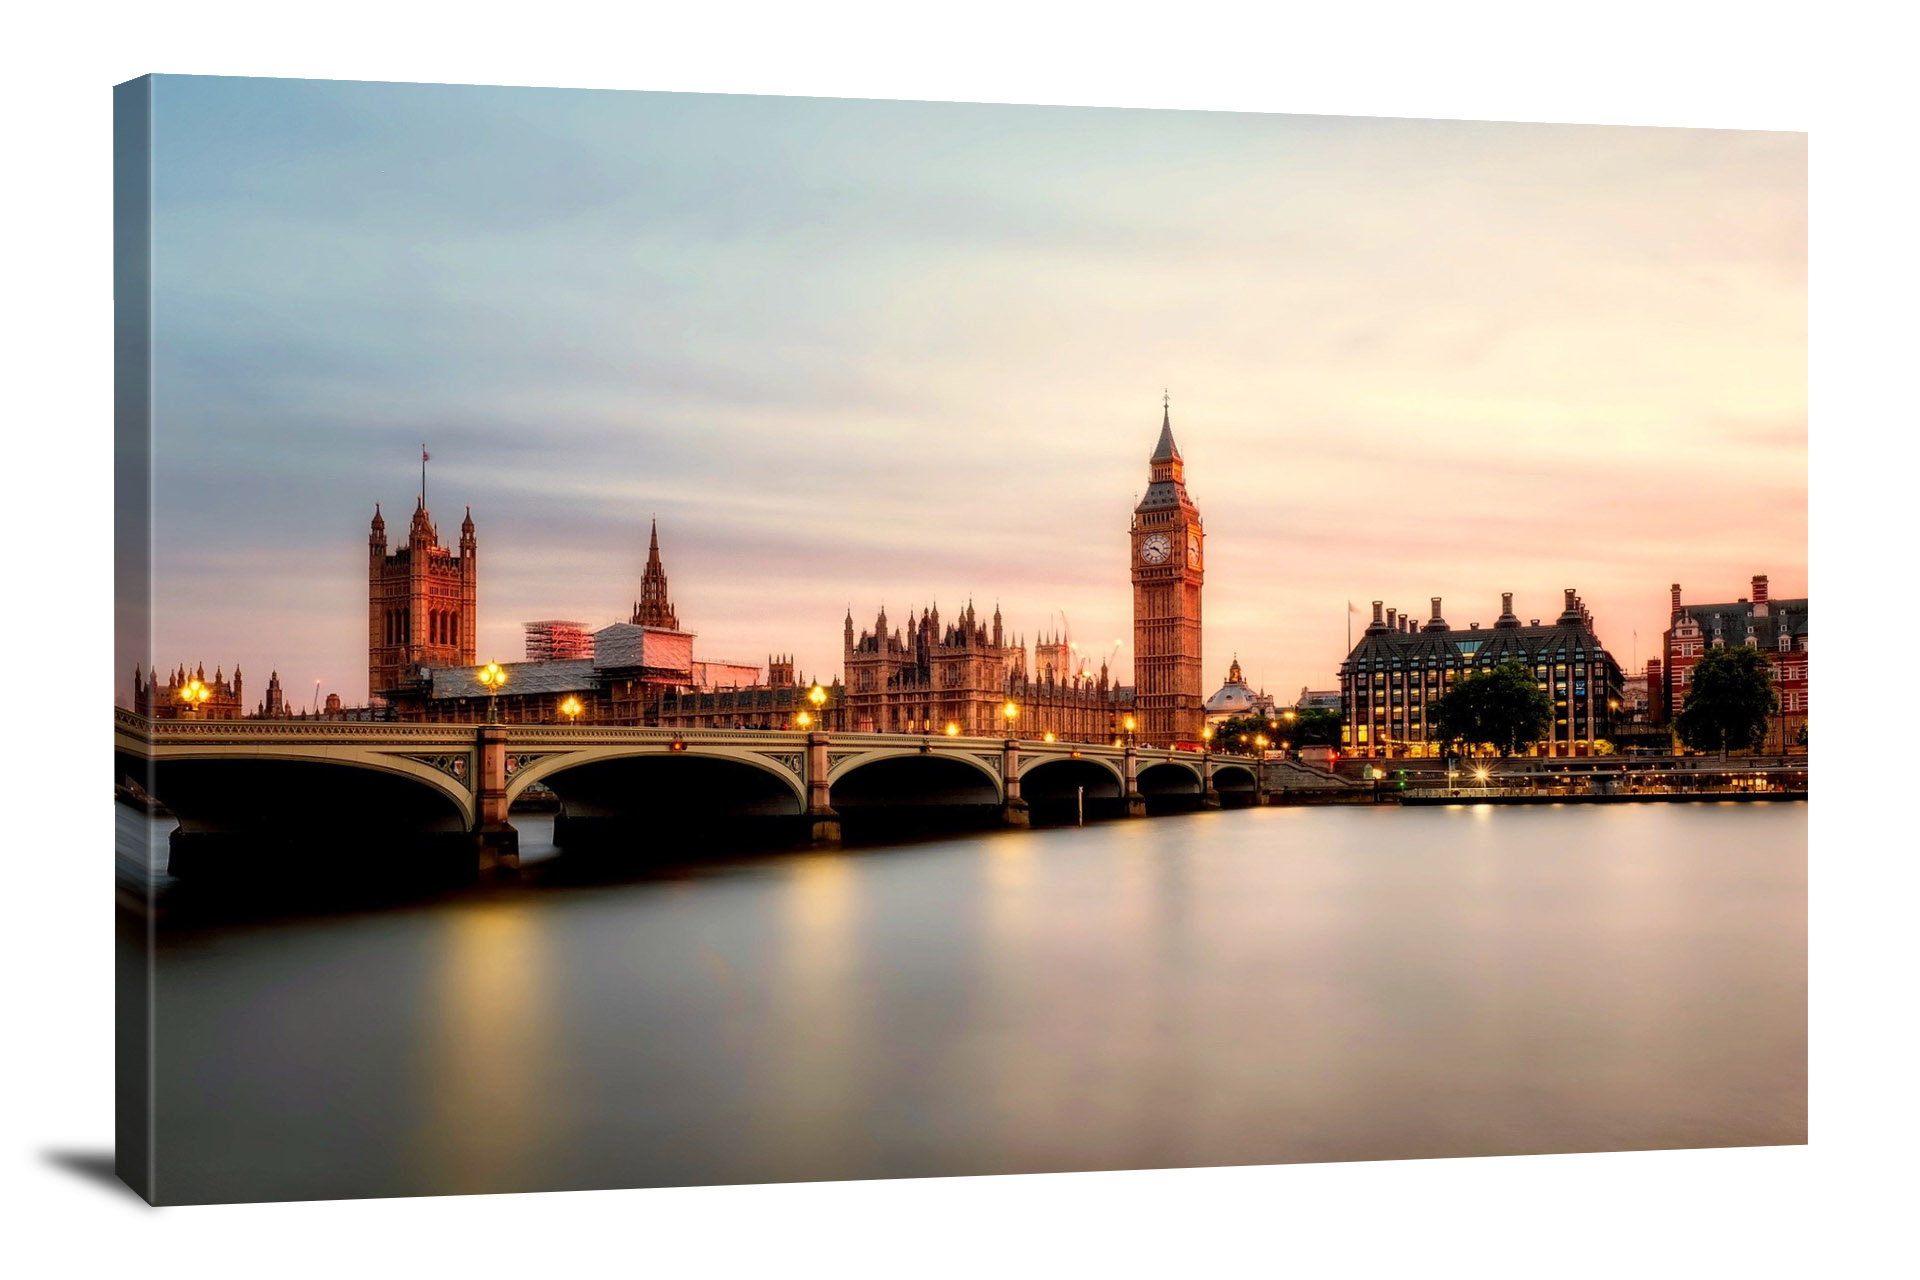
x=1377 y=621
x=1436 y=608
x=1759 y=588
x=1506 y=602
x=1676 y=597
x=1392 y=623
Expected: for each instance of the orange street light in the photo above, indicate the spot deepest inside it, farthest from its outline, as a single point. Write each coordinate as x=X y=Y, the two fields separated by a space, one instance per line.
x=818 y=697
x=1049 y=735
x=195 y=695
x=953 y=730
x=803 y=720
x=571 y=708
x=1011 y=712
x=492 y=676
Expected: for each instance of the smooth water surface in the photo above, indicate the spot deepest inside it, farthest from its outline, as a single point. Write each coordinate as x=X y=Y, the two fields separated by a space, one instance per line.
x=1254 y=986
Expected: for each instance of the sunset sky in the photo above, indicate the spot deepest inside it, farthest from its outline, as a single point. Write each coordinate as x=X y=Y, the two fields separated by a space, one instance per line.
x=864 y=353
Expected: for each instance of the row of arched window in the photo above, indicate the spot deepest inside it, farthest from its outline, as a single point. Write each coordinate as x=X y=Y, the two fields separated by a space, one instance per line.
x=443 y=626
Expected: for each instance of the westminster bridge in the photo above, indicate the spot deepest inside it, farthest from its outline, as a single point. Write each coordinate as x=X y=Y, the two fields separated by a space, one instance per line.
x=239 y=785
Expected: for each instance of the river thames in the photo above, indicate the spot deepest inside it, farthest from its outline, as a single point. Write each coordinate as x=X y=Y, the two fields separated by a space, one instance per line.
x=1239 y=987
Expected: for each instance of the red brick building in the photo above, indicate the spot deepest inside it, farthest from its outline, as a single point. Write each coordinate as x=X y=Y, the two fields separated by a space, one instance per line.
x=1778 y=628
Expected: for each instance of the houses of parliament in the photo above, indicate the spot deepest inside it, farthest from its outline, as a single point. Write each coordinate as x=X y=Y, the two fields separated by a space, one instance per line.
x=932 y=675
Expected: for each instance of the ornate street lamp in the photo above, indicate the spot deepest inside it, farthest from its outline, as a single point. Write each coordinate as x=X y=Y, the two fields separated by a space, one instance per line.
x=818 y=697
x=1128 y=725
x=1012 y=713
x=492 y=676
x=194 y=696
x=953 y=730
x=571 y=709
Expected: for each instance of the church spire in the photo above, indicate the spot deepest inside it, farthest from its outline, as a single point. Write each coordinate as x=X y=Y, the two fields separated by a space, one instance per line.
x=1166 y=450
x=654 y=609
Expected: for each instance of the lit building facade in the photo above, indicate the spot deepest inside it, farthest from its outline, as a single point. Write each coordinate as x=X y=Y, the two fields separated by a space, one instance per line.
x=421 y=603
x=928 y=676
x=1168 y=547
x=1399 y=668
x=1236 y=698
x=1778 y=628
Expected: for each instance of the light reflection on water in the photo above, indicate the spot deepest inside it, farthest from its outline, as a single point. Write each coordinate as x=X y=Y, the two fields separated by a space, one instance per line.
x=1242 y=987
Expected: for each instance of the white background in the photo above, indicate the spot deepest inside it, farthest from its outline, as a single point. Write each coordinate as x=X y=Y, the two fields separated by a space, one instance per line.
x=1828 y=1208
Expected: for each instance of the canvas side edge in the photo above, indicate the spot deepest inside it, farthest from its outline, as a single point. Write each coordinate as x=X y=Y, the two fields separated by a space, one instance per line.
x=134 y=1145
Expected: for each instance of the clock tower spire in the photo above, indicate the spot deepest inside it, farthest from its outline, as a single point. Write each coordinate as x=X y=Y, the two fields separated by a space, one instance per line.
x=1167 y=534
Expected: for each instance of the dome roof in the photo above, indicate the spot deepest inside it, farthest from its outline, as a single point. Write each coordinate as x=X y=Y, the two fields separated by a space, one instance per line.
x=1233 y=697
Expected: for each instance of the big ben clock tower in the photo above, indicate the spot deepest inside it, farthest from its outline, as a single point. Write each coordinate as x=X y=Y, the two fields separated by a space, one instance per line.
x=1167 y=572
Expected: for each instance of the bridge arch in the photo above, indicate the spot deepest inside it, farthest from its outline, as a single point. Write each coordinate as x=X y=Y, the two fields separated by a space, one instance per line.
x=912 y=777
x=1061 y=777
x=1032 y=763
x=547 y=767
x=279 y=783
x=1169 y=778
x=1234 y=779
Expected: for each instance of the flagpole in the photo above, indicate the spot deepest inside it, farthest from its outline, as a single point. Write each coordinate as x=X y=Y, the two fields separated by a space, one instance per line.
x=423 y=477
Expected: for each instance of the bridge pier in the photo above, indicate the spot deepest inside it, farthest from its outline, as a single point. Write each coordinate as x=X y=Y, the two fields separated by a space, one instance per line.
x=823 y=823
x=1135 y=803
x=1209 y=796
x=1014 y=812
x=496 y=843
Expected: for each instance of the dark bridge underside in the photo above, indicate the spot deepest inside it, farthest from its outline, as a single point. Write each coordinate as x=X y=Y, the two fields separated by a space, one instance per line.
x=910 y=794
x=265 y=816
x=1054 y=791
x=1169 y=788
x=1235 y=785
x=670 y=806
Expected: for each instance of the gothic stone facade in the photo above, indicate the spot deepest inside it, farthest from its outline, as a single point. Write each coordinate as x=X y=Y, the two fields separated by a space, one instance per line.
x=1167 y=574
x=421 y=603
x=927 y=677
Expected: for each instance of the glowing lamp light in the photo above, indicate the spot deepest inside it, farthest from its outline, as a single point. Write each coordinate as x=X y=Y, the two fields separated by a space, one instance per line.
x=1011 y=712
x=953 y=730
x=571 y=708
x=817 y=696
x=803 y=720
x=1049 y=736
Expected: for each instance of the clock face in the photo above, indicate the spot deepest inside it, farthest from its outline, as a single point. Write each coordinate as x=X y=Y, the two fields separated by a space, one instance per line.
x=1193 y=548
x=1156 y=549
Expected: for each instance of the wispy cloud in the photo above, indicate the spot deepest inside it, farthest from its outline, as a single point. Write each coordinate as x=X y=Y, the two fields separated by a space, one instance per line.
x=855 y=352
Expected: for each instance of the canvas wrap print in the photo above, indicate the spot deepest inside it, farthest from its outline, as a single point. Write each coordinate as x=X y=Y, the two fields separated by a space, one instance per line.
x=676 y=639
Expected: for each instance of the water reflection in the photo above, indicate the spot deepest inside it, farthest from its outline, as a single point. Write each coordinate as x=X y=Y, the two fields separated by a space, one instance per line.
x=1251 y=986
x=486 y=1041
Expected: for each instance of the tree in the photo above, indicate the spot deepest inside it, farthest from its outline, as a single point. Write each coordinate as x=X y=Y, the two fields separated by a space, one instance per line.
x=1504 y=708
x=1730 y=699
x=1314 y=726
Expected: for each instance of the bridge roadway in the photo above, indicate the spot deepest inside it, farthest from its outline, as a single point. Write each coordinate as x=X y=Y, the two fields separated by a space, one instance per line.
x=332 y=783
